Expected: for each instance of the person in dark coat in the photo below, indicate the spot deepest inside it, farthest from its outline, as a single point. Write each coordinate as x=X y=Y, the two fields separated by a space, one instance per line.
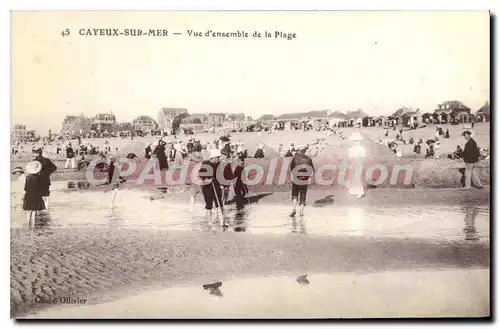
x=48 y=167
x=34 y=190
x=417 y=149
x=471 y=156
x=197 y=147
x=299 y=183
x=430 y=151
x=447 y=134
x=259 y=154
x=226 y=150
x=190 y=146
x=148 y=151
x=160 y=154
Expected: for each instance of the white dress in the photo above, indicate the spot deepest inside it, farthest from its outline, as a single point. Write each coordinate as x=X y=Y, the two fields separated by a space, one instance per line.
x=357 y=153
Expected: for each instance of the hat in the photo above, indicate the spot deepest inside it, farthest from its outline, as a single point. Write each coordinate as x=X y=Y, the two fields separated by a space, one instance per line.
x=356 y=137
x=37 y=148
x=214 y=153
x=467 y=132
x=18 y=170
x=261 y=146
x=33 y=167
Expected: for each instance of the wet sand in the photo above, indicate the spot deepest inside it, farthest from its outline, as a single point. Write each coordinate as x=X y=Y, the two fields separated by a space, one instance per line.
x=445 y=293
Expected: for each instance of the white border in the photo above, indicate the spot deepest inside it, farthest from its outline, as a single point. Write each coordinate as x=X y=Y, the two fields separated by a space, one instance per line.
x=179 y=5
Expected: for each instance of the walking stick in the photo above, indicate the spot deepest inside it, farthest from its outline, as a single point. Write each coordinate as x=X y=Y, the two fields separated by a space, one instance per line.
x=217 y=199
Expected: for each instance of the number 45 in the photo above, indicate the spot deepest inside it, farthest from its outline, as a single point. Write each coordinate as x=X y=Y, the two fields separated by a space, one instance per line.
x=65 y=33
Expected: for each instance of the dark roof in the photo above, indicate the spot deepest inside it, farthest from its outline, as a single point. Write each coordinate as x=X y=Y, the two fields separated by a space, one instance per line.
x=453 y=106
x=406 y=111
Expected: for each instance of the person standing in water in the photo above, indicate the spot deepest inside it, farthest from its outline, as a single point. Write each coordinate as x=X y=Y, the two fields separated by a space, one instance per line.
x=300 y=179
x=33 y=197
x=357 y=154
x=48 y=167
x=240 y=188
x=211 y=188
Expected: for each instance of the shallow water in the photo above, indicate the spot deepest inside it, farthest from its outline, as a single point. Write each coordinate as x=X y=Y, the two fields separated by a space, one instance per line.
x=134 y=209
x=387 y=294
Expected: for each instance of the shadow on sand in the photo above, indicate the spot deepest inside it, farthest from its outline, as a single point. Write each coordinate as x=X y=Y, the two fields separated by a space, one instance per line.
x=250 y=199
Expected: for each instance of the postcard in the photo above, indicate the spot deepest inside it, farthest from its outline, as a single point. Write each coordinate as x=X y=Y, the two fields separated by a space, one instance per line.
x=249 y=165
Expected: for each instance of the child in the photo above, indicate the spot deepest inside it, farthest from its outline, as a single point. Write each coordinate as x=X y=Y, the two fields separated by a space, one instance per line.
x=33 y=201
x=240 y=188
x=114 y=180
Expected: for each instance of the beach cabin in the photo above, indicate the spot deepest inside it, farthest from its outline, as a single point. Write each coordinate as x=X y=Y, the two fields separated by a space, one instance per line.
x=407 y=116
x=450 y=111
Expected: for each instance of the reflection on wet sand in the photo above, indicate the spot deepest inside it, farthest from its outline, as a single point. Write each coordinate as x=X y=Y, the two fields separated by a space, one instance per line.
x=470 y=224
x=240 y=221
x=299 y=223
x=355 y=220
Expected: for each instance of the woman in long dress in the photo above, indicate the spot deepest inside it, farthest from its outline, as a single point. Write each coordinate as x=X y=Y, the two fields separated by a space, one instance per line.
x=160 y=154
x=357 y=154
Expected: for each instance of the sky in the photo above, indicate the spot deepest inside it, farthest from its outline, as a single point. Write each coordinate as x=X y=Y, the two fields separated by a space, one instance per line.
x=375 y=61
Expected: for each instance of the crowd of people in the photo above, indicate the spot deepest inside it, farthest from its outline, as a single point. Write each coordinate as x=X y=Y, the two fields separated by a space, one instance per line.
x=229 y=154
